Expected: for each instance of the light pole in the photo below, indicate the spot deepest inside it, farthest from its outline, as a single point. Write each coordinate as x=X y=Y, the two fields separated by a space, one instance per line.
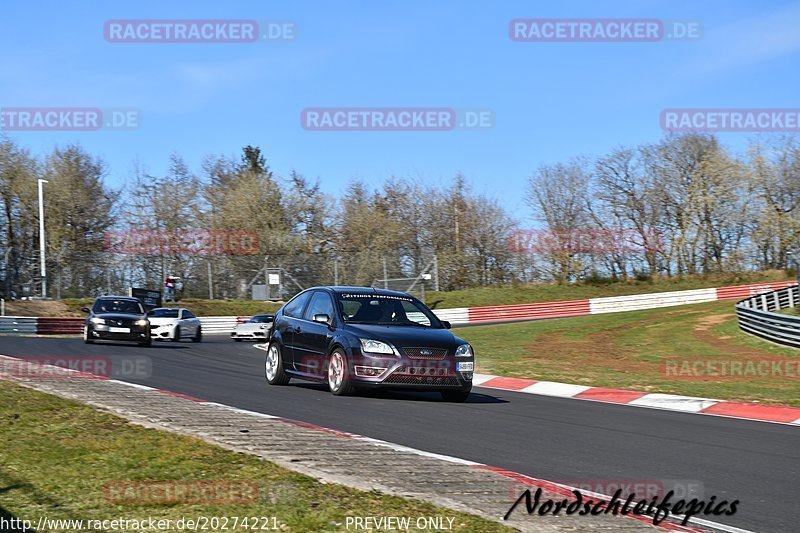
x=42 y=269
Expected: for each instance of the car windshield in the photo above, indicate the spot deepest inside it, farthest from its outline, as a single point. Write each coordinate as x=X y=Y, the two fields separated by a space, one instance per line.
x=260 y=319
x=366 y=308
x=164 y=313
x=118 y=306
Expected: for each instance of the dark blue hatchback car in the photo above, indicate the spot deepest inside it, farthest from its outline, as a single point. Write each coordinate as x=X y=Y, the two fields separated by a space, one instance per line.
x=357 y=337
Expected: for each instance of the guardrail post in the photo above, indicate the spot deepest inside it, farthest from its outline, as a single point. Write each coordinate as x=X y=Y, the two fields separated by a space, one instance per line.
x=764 y=303
x=777 y=300
x=791 y=296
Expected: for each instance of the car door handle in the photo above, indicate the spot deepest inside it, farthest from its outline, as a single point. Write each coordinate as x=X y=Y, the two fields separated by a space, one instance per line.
x=297 y=330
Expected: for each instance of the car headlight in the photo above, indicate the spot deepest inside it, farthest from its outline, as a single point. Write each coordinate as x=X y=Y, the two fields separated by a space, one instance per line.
x=141 y=322
x=465 y=350
x=95 y=320
x=373 y=346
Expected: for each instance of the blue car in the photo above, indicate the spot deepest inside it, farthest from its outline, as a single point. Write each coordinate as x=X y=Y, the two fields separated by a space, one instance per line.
x=357 y=338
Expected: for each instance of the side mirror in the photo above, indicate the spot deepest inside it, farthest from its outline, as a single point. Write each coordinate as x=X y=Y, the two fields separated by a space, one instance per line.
x=86 y=310
x=446 y=324
x=322 y=318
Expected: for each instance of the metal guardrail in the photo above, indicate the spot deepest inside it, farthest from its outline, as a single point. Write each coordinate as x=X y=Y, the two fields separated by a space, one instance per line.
x=221 y=324
x=756 y=316
x=15 y=325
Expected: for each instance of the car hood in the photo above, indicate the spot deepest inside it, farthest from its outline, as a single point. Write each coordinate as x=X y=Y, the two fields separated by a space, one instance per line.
x=117 y=316
x=162 y=320
x=406 y=335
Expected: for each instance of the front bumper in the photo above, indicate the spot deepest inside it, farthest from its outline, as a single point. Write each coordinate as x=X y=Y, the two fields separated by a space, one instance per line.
x=417 y=374
x=136 y=333
x=251 y=335
x=166 y=331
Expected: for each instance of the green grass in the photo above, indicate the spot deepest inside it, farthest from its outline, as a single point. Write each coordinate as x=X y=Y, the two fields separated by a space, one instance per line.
x=552 y=292
x=56 y=456
x=483 y=296
x=627 y=350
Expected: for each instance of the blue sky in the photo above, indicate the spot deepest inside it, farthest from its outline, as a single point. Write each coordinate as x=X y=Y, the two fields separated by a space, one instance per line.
x=551 y=100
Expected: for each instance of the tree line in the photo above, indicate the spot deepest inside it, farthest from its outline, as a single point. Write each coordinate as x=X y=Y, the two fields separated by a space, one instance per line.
x=683 y=205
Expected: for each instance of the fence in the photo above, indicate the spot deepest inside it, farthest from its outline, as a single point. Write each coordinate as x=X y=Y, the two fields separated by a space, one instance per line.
x=59 y=326
x=756 y=316
x=475 y=315
x=221 y=324
x=17 y=325
x=615 y=304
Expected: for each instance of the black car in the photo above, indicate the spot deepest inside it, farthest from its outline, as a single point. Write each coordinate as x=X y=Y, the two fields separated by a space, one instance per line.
x=357 y=337
x=117 y=318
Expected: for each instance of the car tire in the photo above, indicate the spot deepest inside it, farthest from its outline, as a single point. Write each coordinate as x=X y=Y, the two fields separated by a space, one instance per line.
x=86 y=338
x=456 y=396
x=146 y=342
x=176 y=336
x=338 y=375
x=237 y=339
x=198 y=337
x=273 y=366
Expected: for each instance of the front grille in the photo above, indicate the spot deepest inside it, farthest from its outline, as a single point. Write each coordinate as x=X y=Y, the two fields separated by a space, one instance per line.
x=438 y=381
x=430 y=354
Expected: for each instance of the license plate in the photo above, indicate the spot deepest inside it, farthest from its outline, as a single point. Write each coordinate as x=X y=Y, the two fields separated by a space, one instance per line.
x=119 y=330
x=465 y=366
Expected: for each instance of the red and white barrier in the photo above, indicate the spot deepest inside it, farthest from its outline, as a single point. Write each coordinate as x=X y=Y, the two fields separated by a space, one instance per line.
x=615 y=304
x=465 y=315
x=635 y=302
x=745 y=291
x=529 y=311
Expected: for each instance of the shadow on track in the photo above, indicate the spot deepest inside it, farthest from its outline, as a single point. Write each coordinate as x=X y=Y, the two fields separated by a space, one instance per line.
x=161 y=345
x=421 y=396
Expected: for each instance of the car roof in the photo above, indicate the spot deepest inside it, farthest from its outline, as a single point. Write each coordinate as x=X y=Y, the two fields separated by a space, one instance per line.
x=177 y=308
x=111 y=297
x=340 y=289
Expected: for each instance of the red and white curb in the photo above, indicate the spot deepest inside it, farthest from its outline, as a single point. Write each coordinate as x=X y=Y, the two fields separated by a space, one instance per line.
x=670 y=524
x=668 y=402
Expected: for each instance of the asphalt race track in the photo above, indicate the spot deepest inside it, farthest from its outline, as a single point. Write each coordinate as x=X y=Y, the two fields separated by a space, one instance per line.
x=552 y=438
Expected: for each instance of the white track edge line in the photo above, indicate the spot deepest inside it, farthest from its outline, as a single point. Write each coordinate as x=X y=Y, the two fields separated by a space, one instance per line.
x=449 y=458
